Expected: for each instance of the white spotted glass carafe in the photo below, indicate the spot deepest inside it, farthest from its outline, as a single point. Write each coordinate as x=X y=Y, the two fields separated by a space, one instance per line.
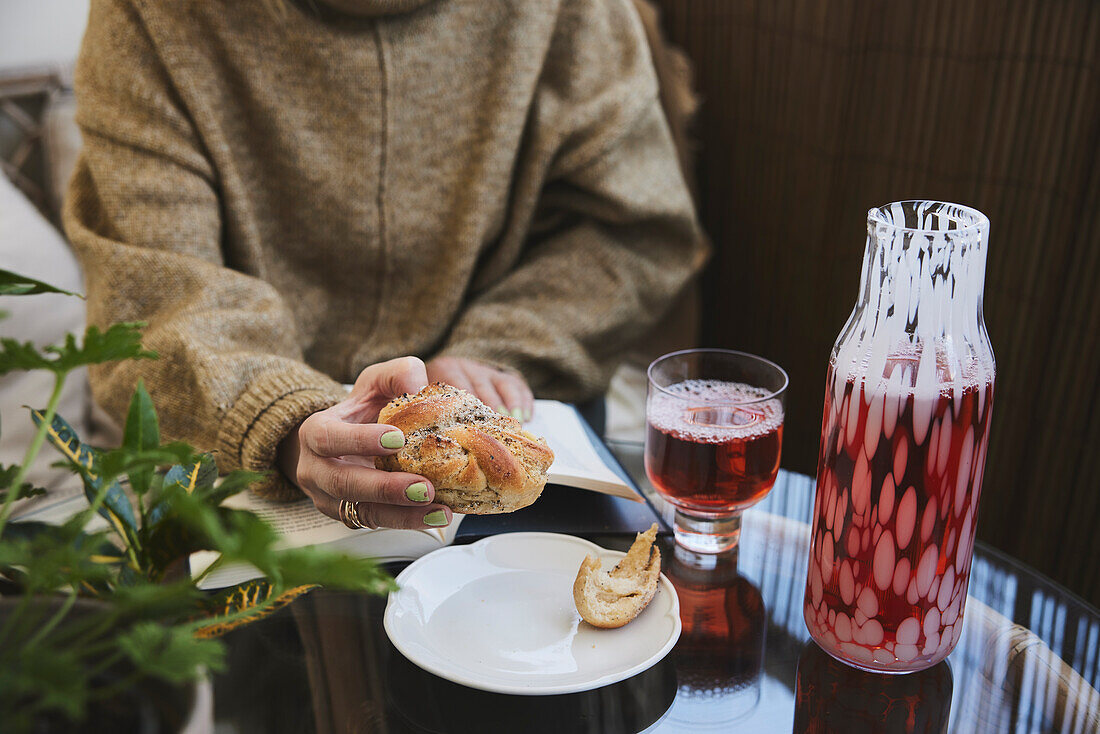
x=908 y=399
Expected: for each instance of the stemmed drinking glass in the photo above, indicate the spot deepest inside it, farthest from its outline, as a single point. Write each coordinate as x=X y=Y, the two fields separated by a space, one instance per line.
x=713 y=438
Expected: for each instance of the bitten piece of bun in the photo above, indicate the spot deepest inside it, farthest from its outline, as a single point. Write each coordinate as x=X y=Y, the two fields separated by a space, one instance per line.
x=480 y=462
x=612 y=599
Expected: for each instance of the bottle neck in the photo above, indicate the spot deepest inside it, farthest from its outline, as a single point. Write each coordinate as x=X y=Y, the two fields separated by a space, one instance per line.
x=920 y=297
x=926 y=284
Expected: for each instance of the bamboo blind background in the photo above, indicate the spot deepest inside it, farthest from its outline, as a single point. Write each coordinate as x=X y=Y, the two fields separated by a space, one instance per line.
x=812 y=112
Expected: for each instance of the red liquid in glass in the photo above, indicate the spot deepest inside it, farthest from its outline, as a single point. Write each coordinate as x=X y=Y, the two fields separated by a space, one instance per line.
x=898 y=482
x=713 y=458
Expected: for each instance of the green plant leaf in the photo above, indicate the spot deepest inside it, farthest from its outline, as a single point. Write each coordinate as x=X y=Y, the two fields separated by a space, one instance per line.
x=142 y=433
x=116 y=507
x=54 y=679
x=202 y=472
x=299 y=566
x=198 y=474
x=14 y=284
x=185 y=477
x=24 y=492
x=236 y=534
x=245 y=537
x=171 y=653
x=7 y=476
x=119 y=342
x=172 y=601
x=302 y=570
x=114 y=463
x=169 y=536
x=15 y=355
x=187 y=522
x=43 y=558
x=63 y=437
x=233 y=483
x=94 y=543
x=129 y=576
x=168 y=541
x=251 y=595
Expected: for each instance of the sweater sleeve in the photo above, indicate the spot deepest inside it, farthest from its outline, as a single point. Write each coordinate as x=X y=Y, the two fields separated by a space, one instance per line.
x=613 y=235
x=144 y=215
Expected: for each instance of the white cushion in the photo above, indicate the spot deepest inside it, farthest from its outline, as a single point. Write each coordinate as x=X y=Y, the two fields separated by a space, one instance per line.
x=29 y=245
x=626 y=404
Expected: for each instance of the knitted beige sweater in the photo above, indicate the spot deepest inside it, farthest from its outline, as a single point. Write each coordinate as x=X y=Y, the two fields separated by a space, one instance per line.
x=287 y=199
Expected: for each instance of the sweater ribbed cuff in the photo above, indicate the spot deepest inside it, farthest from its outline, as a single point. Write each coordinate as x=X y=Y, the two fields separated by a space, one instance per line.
x=265 y=413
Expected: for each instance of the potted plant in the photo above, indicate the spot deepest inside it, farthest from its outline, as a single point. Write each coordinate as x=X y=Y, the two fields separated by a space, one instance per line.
x=87 y=613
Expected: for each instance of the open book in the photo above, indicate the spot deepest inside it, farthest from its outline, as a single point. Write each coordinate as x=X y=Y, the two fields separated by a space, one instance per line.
x=577 y=459
x=577 y=463
x=300 y=524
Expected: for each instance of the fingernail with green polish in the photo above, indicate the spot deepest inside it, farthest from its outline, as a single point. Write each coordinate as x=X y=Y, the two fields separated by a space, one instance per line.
x=392 y=440
x=417 y=492
x=517 y=413
x=503 y=410
x=436 y=518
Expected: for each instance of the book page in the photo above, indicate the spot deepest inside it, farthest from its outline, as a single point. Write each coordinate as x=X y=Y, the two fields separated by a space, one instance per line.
x=301 y=524
x=298 y=522
x=56 y=508
x=576 y=462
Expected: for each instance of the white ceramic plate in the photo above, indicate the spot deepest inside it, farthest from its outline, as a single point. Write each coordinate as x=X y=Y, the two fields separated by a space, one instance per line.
x=498 y=615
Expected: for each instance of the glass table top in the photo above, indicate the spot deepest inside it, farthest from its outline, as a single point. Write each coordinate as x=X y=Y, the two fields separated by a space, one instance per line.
x=1028 y=659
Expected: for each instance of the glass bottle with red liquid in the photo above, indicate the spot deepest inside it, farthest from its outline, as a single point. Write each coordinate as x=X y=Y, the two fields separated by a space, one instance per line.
x=908 y=399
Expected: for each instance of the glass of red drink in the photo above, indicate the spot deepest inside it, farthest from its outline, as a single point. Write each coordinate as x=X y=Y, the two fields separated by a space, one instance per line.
x=714 y=430
x=908 y=400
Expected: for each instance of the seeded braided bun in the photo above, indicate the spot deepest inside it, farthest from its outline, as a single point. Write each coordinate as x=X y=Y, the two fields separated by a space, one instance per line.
x=481 y=462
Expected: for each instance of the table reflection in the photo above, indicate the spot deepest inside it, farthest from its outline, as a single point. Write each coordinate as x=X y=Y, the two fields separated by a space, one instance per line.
x=360 y=683
x=1026 y=662
x=427 y=703
x=720 y=655
x=834 y=697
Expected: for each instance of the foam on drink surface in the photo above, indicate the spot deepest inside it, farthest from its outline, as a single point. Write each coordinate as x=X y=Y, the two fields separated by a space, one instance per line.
x=713 y=411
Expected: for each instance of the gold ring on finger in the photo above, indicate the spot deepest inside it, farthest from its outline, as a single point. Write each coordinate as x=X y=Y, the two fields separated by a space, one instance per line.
x=366 y=525
x=345 y=514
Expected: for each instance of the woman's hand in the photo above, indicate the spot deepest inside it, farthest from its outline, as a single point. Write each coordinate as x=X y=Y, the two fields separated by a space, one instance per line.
x=505 y=391
x=331 y=454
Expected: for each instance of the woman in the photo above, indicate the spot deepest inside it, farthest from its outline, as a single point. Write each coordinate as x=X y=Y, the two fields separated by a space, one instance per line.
x=292 y=199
